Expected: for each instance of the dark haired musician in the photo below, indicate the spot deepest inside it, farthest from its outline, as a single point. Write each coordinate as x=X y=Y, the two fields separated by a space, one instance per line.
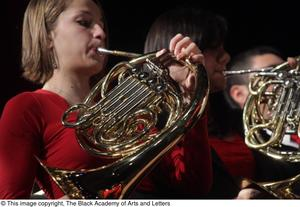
x=208 y=31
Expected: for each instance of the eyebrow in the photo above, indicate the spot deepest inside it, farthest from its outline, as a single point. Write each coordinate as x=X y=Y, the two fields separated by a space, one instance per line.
x=84 y=12
x=89 y=13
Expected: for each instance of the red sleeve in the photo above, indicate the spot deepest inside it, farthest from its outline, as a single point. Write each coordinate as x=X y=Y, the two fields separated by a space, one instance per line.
x=187 y=167
x=18 y=143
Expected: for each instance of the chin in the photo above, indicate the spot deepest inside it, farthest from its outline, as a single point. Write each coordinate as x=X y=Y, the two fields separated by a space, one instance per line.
x=96 y=66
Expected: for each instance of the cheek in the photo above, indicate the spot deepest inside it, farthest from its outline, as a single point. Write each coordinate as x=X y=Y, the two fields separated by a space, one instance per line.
x=210 y=69
x=64 y=48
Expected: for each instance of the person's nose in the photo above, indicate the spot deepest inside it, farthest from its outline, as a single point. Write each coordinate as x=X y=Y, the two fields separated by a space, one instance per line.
x=98 y=32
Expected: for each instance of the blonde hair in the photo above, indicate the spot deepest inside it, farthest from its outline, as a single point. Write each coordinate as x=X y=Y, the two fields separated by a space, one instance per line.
x=38 y=59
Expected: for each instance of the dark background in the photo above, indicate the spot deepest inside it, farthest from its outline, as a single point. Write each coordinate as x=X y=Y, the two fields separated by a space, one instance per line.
x=251 y=23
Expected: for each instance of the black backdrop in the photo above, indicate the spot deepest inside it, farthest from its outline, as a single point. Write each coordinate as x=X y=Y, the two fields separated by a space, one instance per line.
x=251 y=23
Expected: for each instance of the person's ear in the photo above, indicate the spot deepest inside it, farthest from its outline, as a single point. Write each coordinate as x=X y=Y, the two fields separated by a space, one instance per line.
x=50 y=40
x=239 y=94
x=51 y=50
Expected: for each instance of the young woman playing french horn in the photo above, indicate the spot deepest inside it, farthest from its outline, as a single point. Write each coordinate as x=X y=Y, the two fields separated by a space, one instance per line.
x=60 y=41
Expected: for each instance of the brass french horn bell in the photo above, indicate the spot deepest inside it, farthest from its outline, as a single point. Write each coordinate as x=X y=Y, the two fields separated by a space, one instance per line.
x=132 y=117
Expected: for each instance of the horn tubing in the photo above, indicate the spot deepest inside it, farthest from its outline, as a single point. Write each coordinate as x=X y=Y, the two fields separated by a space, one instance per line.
x=118 y=53
x=246 y=71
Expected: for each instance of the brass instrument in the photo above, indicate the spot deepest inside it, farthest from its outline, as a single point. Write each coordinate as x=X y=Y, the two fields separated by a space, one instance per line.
x=272 y=111
x=273 y=108
x=132 y=117
x=283 y=189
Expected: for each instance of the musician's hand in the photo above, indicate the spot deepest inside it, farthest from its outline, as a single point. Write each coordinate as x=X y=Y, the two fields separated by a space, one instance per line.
x=184 y=48
x=248 y=193
x=292 y=62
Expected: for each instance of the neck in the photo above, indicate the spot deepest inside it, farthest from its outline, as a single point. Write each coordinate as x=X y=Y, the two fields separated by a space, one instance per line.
x=73 y=88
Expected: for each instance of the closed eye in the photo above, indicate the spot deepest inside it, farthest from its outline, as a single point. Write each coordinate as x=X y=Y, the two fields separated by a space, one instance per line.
x=84 y=23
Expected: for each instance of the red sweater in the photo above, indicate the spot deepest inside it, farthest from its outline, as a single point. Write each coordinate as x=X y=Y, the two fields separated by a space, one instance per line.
x=236 y=156
x=186 y=171
x=31 y=125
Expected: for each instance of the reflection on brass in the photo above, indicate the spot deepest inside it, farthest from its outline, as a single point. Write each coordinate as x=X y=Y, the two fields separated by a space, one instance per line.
x=132 y=117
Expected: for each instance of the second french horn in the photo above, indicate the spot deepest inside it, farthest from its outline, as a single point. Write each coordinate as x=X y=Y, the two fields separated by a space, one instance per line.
x=272 y=112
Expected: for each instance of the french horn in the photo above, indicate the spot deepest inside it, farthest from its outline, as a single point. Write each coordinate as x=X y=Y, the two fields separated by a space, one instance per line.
x=272 y=111
x=132 y=117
